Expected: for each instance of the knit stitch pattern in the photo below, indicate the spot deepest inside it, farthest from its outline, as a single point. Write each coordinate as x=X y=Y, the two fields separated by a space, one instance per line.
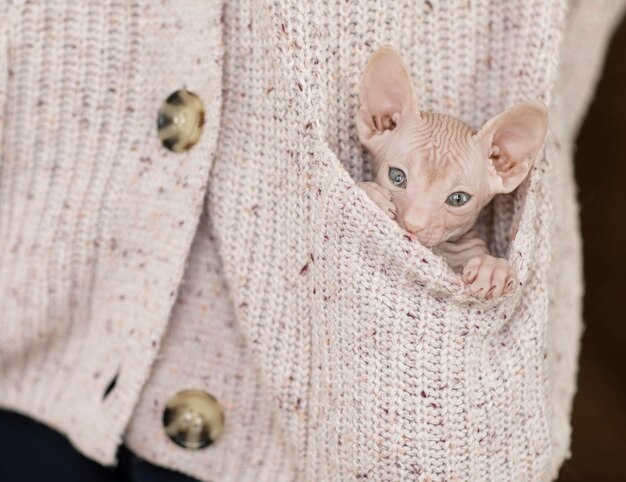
x=340 y=349
x=395 y=373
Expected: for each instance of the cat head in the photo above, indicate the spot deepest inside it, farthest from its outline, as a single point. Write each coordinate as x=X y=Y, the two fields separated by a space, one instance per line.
x=440 y=171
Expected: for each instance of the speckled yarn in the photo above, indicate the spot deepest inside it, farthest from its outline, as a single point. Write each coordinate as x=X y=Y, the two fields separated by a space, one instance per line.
x=339 y=349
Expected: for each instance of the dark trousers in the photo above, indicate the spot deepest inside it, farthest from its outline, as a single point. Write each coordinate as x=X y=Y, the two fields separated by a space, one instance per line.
x=31 y=452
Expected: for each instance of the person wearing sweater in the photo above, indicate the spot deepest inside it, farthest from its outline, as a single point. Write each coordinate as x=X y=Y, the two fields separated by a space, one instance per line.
x=192 y=285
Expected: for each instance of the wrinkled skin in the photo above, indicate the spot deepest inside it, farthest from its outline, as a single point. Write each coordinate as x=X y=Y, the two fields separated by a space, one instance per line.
x=434 y=173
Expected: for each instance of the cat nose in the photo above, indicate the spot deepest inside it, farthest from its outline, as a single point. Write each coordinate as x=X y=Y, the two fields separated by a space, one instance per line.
x=413 y=226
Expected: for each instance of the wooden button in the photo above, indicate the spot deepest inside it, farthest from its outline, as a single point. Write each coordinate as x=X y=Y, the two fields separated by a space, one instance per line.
x=180 y=121
x=193 y=419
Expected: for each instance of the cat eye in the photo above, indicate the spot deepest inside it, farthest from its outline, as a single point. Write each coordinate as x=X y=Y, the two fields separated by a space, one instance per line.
x=397 y=177
x=458 y=198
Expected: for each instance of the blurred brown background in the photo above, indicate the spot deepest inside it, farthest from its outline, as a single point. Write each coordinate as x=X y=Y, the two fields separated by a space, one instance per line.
x=599 y=419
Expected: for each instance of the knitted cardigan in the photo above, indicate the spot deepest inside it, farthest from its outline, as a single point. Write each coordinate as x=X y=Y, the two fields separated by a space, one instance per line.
x=339 y=349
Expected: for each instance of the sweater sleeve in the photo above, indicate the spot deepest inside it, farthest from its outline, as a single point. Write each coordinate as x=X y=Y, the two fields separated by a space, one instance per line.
x=4 y=70
x=377 y=363
x=588 y=29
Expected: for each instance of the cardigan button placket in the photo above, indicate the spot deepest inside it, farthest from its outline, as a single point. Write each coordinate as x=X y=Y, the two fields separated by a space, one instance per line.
x=180 y=120
x=193 y=419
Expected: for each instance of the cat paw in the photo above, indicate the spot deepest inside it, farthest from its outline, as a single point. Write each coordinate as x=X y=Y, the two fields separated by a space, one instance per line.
x=380 y=196
x=489 y=277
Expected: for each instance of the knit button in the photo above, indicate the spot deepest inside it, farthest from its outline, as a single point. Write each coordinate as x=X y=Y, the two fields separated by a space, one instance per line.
x=193 y=419
x=180 y=121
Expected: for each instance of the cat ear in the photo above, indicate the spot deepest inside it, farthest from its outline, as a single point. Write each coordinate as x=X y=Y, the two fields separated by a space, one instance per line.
x=512 y=140
x=386 y=93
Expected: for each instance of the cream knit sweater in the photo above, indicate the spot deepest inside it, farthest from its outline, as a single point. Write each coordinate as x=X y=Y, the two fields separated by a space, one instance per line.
x=339 y=349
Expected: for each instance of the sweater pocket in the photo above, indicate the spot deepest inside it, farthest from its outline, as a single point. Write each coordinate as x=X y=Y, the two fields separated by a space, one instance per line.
x=348 y=224
x=412 y=378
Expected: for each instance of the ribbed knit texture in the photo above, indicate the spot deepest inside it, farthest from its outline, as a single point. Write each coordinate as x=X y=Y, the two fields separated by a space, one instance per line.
x=96 y=218
x=339 y=349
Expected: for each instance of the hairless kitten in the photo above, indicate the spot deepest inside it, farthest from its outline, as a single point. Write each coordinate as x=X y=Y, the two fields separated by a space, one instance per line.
x=434 y=173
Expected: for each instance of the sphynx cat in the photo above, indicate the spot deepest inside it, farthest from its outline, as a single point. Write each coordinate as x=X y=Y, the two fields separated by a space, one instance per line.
x=434 y=173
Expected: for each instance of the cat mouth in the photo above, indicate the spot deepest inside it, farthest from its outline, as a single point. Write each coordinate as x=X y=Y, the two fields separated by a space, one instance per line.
x=428 y=241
